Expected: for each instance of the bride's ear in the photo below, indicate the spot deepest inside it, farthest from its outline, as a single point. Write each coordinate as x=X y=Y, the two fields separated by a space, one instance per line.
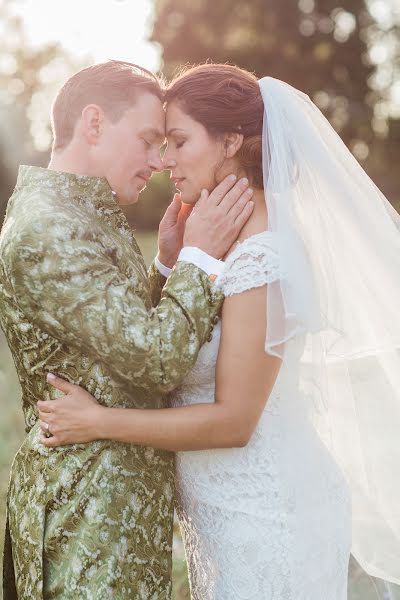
x=232 y=144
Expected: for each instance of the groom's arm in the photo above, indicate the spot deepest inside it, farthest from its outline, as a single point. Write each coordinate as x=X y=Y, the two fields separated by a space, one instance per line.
x=67 y=283
x=158 y=273
x=156 y=282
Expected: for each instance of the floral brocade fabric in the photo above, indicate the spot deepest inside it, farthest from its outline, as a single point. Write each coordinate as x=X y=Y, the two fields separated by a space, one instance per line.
x=91 y=521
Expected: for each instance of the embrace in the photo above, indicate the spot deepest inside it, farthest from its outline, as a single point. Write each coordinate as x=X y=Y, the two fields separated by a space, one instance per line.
x=250 y=377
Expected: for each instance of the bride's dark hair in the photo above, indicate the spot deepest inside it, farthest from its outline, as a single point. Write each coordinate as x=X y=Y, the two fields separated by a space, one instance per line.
x=224 y=99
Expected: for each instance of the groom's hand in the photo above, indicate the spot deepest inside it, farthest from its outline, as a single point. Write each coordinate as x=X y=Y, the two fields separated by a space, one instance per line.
x=170 y=231
x=218 y=218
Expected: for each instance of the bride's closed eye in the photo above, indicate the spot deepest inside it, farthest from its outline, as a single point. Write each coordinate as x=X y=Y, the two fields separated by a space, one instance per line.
x=179 y=144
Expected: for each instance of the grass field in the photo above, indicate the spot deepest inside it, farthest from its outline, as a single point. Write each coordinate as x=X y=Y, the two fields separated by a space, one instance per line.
x=12 y=432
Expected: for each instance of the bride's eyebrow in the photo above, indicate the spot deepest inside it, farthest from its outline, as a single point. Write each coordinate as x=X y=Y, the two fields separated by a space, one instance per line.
x=171 y=131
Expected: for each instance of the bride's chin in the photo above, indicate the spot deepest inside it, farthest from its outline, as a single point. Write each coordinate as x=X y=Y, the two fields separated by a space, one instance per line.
x=189 y=198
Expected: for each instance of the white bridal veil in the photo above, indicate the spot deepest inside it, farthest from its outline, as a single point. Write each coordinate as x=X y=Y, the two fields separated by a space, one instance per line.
x=339 y=244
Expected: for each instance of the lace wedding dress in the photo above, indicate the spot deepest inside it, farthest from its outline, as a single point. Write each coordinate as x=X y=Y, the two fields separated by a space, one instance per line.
x=272 y=520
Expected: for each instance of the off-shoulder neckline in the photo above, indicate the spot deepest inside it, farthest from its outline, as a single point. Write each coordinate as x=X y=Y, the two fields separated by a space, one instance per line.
x=266 y=233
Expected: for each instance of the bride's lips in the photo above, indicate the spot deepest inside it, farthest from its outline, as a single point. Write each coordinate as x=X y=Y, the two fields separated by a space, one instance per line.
x=178 y=180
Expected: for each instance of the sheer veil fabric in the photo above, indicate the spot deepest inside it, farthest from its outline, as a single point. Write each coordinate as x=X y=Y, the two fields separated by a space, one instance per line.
x=339 y=244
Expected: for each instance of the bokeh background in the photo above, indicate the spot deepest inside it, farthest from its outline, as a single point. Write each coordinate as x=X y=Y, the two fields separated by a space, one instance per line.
x=345 y=54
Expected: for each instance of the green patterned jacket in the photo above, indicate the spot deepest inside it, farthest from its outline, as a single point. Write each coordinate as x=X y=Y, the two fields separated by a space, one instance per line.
x=91 y=521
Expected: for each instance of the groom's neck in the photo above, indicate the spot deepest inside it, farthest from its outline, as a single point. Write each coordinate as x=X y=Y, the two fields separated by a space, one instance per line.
x=72 y=160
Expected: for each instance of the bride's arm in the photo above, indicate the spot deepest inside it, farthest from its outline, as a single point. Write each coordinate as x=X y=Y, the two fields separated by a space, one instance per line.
x=245 y=375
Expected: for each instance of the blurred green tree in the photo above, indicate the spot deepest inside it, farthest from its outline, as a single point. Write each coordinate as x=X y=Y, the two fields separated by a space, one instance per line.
x=319 y=46
x=29 y=78
x=314 y=46
x=146 y=214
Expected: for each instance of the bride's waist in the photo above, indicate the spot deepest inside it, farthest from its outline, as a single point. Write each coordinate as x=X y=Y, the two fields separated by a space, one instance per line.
x=193 y=394
x=273 y=460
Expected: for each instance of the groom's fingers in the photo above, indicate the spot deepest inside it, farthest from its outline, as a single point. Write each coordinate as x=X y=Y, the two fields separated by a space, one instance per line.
x=173 y=209
x=185 y=212
x=222 y=189
x=239 y=192
x=243 y=217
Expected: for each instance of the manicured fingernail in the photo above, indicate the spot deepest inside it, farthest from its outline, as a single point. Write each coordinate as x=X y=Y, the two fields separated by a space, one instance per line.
x=51 y=377
x=232 y=177
x=249 y=192
x=244 y=181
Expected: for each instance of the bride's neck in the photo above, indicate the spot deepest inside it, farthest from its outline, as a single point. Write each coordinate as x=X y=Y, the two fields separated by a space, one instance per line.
x=258 y=221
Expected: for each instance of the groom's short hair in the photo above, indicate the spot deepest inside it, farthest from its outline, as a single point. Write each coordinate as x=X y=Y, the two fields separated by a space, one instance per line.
x=113 y=85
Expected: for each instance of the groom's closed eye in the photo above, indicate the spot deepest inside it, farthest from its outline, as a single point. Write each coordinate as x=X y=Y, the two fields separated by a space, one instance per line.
x=153 y=136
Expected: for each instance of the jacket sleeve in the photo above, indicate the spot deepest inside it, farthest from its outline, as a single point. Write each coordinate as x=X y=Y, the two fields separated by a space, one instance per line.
x=67 y=281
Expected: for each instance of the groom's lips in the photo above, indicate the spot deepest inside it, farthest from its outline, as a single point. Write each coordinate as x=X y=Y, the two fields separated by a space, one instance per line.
x=144 y=180
x=144 y=177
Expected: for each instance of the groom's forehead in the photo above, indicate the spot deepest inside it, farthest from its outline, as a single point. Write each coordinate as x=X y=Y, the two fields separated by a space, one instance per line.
x=152 y=120
x=148 y=110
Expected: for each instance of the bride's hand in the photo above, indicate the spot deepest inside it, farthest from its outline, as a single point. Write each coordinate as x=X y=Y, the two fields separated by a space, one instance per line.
x=70 y=419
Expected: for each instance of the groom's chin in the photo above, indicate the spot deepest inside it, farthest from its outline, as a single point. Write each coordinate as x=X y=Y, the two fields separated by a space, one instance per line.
x=126 y=199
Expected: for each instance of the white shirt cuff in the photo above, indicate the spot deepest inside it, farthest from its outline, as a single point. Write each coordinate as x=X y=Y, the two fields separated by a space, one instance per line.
x=210 y=265
x=166 y=271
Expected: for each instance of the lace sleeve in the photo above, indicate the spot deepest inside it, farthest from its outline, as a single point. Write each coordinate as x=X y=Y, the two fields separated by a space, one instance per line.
x=253 y=263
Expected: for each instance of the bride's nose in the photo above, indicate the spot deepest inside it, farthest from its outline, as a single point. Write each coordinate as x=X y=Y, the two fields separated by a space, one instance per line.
x=168 y=161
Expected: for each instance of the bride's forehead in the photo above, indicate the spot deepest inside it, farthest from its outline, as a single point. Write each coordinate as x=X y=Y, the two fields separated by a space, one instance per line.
x=177 y=118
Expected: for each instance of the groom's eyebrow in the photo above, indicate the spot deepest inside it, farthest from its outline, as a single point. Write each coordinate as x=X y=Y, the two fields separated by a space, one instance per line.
x=156 y=133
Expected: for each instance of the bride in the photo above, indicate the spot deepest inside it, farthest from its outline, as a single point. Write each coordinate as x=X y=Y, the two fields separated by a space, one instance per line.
x=286 y=429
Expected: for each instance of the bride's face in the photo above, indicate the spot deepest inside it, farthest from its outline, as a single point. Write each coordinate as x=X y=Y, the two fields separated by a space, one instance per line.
x=193 y=156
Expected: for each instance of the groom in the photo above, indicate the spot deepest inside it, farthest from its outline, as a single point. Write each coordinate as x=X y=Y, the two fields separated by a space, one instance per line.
x=95 y=522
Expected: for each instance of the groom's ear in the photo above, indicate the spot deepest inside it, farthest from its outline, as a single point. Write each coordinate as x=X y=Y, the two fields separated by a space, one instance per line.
x=92 y=123
x=232 y=144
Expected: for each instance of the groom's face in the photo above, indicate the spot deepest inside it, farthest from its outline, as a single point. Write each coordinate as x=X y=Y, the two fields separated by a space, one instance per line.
x=129 y=150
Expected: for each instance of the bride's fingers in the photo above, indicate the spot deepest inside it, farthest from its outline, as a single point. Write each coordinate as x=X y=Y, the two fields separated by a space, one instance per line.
x=51 y=442
x=60 y=384
x=49 y=426
x=44 y=426
x=45 y=406
x=44 y=417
